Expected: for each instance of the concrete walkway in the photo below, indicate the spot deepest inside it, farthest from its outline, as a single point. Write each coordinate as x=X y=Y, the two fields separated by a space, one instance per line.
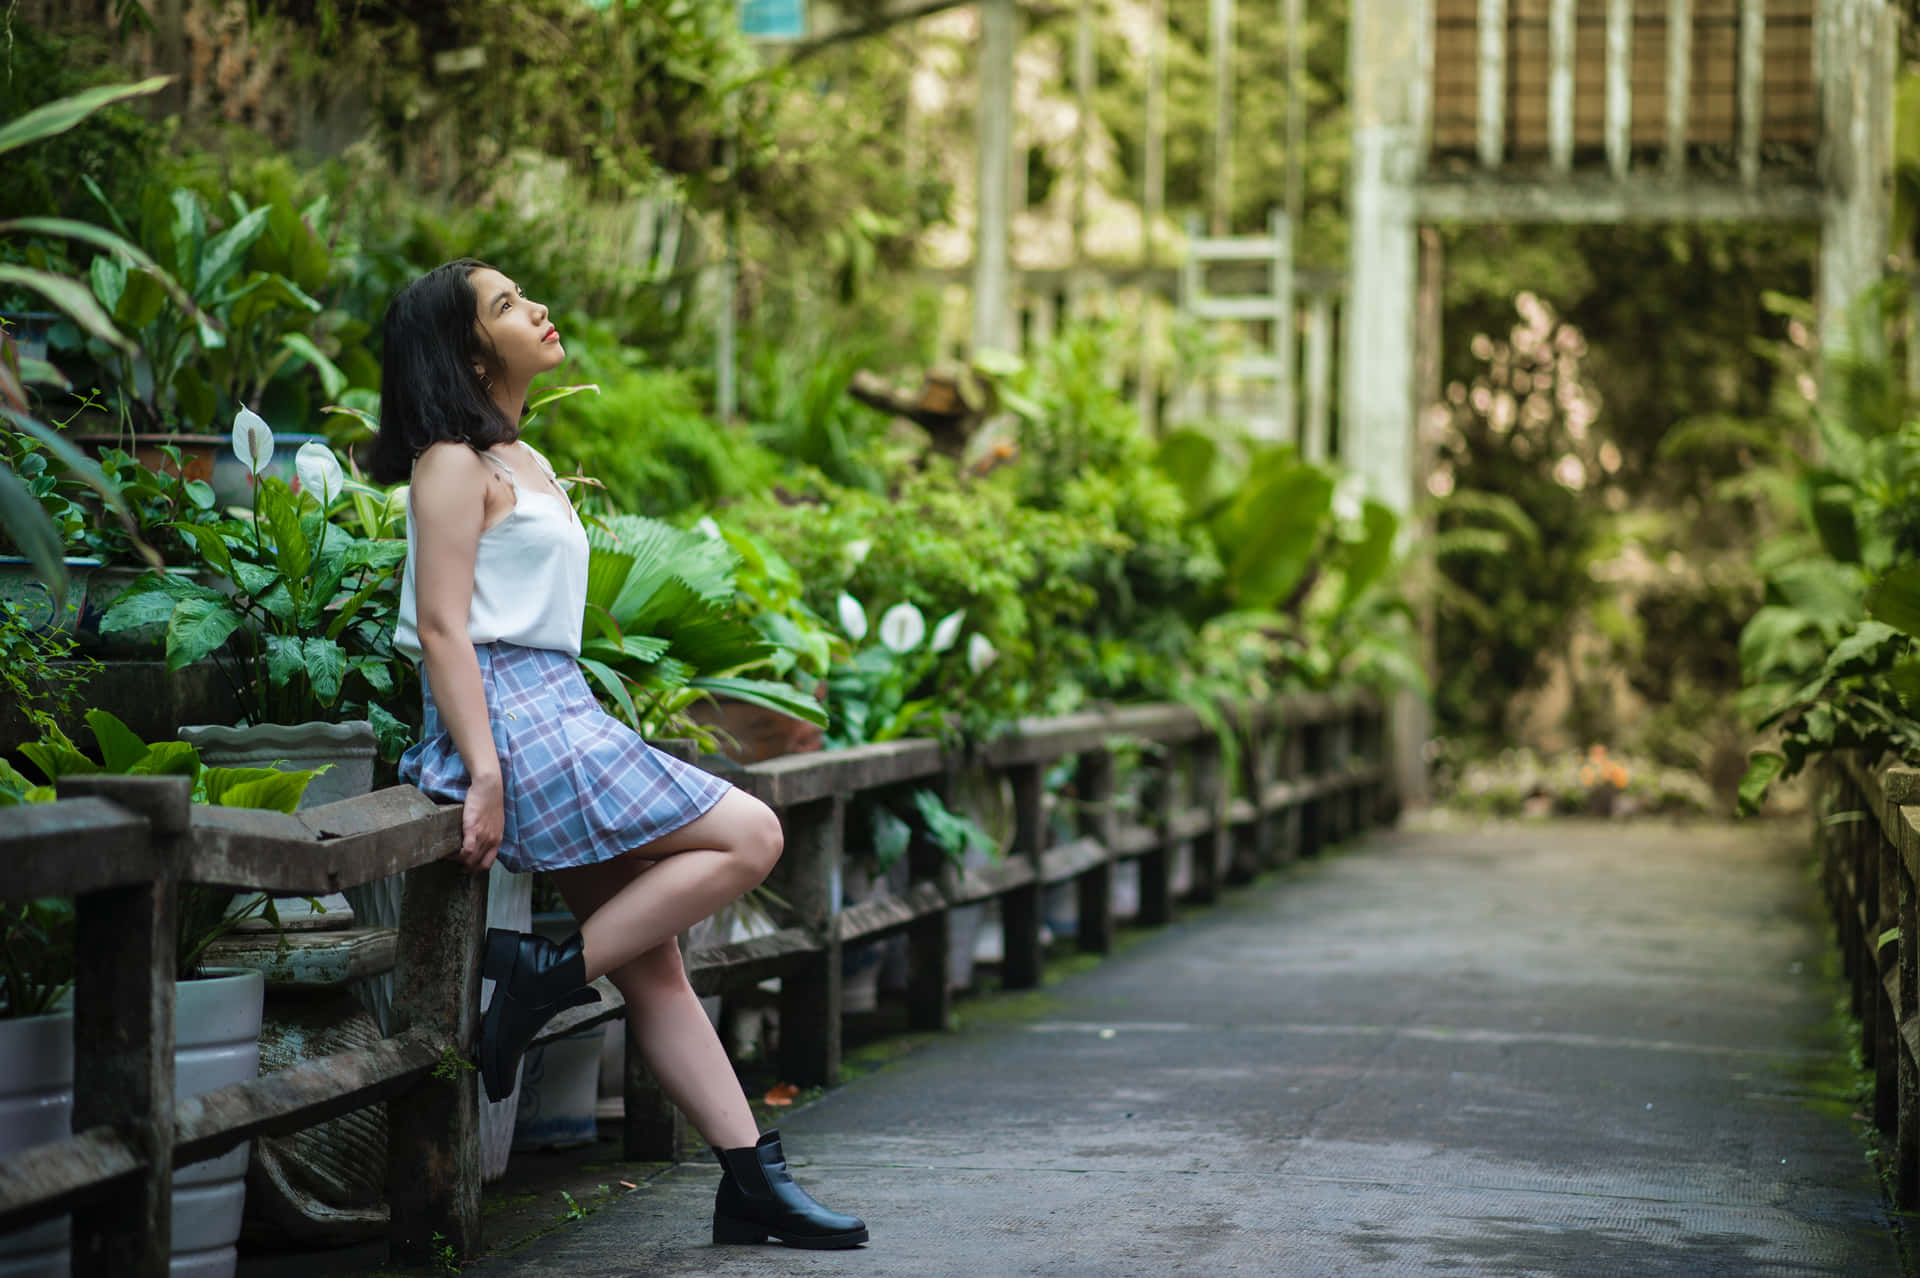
x=1544 y=1049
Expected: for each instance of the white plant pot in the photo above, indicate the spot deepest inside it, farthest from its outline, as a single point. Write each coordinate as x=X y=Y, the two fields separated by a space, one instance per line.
x=349 y=747
x=560 y=1092
x=509 y=905
x=36 y=1108
x=216 y=1033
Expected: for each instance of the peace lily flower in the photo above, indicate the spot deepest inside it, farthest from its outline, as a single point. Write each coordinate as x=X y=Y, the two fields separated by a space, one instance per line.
x=947 y=633
x=857 y=551
x=252 y=440
x=902 y=628
x=318 y=471
x=980 y=652
x=708 y=529
x=853 y=618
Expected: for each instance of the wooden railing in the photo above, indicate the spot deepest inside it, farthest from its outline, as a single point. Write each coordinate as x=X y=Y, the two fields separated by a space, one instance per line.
x=1867 y=829
x=1311 y=772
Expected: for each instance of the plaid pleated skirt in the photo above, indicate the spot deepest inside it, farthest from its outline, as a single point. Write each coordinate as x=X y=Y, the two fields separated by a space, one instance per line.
x=580 y=785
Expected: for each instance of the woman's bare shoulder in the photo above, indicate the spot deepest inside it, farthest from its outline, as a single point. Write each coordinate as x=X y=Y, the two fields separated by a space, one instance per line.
x=449 y=464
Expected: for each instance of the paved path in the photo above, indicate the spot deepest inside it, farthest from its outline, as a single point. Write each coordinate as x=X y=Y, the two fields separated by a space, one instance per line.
x=1550 y=1049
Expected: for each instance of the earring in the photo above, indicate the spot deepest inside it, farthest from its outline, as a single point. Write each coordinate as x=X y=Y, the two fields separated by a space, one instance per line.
x=486 y=383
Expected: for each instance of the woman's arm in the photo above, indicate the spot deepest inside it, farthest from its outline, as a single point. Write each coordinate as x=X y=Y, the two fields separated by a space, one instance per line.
x=450 y=495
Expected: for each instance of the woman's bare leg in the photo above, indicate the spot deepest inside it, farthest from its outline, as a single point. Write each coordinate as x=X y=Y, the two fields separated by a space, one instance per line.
x=666 y=1022
x=698 y=868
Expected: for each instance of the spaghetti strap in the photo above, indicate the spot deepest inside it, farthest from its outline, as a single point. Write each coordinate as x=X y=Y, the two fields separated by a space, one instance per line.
x=511 y=479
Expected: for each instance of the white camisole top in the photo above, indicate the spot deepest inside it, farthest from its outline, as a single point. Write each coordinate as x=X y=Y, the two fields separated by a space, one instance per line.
x=529 y=574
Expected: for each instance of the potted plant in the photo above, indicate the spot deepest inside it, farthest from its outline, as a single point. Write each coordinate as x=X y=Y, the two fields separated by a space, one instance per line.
x=217 y=1011
x=254 y=333
x=299 y=616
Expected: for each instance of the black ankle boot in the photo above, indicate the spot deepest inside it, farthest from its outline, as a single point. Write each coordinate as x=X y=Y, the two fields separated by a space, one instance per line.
x=533 y=979
x=757 y=1197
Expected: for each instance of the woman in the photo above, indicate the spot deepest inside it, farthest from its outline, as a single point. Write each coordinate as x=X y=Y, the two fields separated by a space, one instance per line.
x=640 y=845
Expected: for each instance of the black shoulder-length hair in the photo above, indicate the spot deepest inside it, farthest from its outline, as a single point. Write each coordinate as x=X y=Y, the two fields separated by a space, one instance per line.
x=429 y=392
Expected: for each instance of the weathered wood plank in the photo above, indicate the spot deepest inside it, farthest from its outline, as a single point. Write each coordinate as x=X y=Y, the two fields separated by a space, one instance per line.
x=433 y=1141
x=1319 y=376
x=309 y=960
x=1134 y=840
x=1020 y=908
x=980 y=883
x=727 y=968
x=1043 y=740
x=298 y=1097
x=1070 y=860
x=39 y=839
x=810 y=993
x=1093 y=785
x=804 y=778
x=48 y=1180
x=279 y=851
x=123 y=1013
x=1582 y=199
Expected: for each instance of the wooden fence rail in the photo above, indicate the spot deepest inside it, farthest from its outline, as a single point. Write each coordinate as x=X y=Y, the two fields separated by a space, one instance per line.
x=1311 y=772
x=1867 y=830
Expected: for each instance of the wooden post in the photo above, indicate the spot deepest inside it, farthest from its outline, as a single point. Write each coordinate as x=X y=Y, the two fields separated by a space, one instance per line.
x=433 y=1136
x=1255 y=848
x=1679 y=85
x=1020 y=919
x=1377 y=328
x=1855 y=43
x=1906 y=1151
x=1316 y=439
x=123 y=999
x=1220 y=42
x=1154 y=179
x=1093 y=786
x=1884 y=909
x=1560 y=85
x=810 y=995
x=1750 y=87
x=1619 y=109
x=930 y=937
x=1165 y=786
x=995 y=131
x=1296 y=114
x=1286 y=354
x=1493 y=79
x=1210 y=850
x=1083 y=77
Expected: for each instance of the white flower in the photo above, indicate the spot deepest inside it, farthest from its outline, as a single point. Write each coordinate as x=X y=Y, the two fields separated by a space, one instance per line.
x=947 y=633
x=857 y=551
x=902 y=628
x=853 y=618
x=252 y=440
x=318 y=471
x=708 y=529
x=980 y=652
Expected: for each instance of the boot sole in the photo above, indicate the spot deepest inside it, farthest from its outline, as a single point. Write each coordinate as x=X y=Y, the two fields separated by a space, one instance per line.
x=728 y=1230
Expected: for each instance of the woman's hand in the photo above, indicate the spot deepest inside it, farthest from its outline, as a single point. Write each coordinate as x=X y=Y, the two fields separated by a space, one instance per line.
x=483 y=820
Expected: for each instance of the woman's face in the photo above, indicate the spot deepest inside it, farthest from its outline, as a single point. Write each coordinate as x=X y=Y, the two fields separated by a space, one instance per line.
x=524 y=342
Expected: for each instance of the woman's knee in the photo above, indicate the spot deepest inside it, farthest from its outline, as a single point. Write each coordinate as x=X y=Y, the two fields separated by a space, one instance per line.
x=760 y=840
x=658 y=971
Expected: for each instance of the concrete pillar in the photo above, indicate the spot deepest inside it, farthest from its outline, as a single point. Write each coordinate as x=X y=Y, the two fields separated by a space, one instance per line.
x=1856 y=42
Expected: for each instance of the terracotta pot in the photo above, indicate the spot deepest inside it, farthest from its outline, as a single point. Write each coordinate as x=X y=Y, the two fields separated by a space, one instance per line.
x=757 y=733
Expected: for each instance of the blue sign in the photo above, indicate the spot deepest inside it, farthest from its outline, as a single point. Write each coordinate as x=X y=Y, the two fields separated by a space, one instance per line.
x=773 y=19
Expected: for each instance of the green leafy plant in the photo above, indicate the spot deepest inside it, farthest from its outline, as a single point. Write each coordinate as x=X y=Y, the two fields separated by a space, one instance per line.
x=663 y=629
x=25 y=524
x=303 y=627
x=38 y=670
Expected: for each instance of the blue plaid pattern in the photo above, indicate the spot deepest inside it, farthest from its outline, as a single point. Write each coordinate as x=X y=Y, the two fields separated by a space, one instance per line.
x=580 y=785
